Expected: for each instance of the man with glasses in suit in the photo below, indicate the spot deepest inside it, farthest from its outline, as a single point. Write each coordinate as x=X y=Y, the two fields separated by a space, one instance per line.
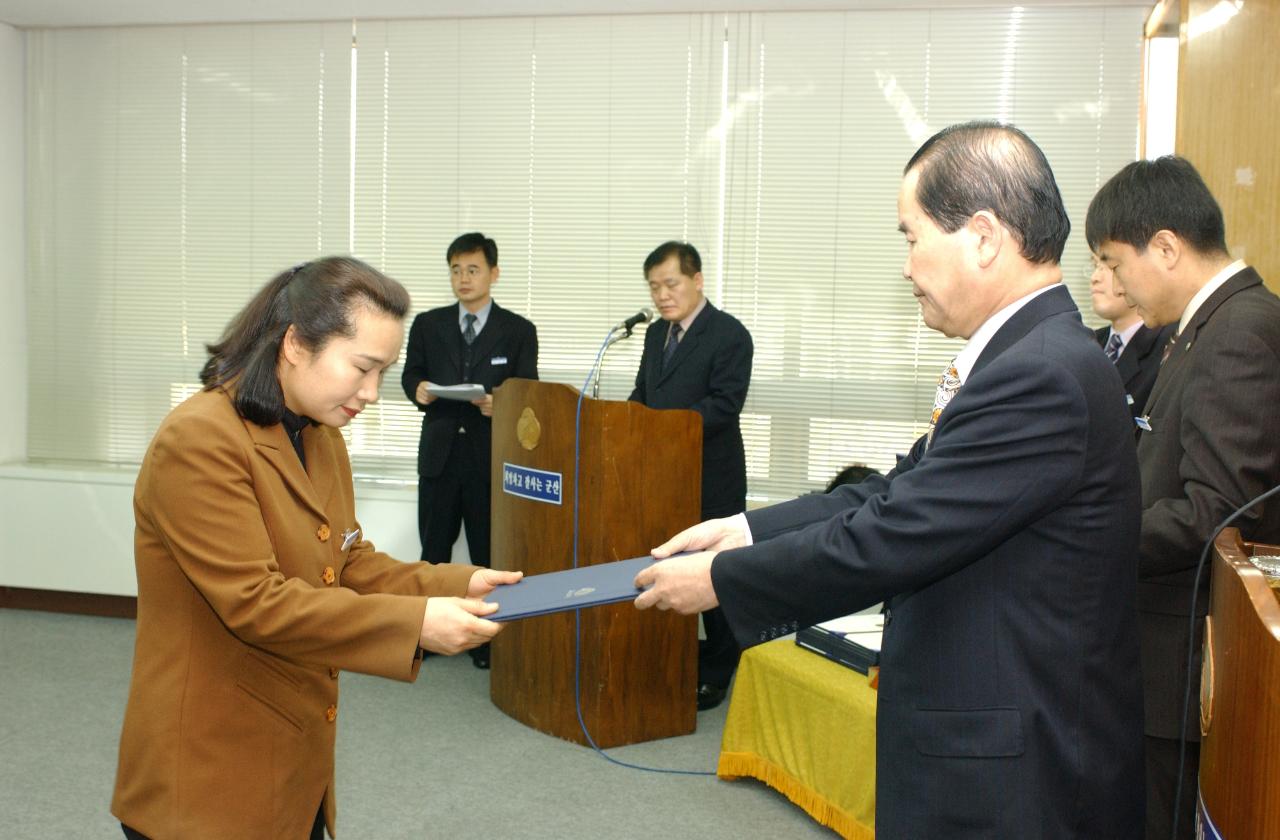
x=474 y=341
x=1133 y=347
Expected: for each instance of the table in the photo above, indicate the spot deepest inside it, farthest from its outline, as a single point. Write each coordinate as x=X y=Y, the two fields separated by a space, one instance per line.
x=806 y=727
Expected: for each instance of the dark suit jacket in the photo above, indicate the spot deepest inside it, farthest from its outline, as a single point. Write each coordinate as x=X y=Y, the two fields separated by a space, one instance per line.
x=709 y=373
x=1139 y=362
x=1212 y=447
x=1010 y=700
x=250 y=601
x=507 y=347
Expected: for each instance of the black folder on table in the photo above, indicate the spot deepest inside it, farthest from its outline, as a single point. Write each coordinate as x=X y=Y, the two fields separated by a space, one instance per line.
x=852 y=641
x=585 y=586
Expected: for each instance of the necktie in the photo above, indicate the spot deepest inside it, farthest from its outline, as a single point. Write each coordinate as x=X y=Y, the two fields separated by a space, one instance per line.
x=1168 y=348
x=948 y=385
x=469 y=332
x=673 y=341
x=1114 y=344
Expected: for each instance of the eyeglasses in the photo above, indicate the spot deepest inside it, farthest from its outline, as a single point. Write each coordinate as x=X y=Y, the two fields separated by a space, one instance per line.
x=1087 y=270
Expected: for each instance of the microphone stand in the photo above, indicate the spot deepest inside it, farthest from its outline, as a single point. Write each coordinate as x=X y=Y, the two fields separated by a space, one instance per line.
x=619 y=332
x=615 y=335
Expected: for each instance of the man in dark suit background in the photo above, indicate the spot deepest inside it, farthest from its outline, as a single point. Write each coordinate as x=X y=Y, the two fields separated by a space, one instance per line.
x=699 y=358
x=1009 y=700
x=1208 y=443
x=474 y=341
x=1131 y=345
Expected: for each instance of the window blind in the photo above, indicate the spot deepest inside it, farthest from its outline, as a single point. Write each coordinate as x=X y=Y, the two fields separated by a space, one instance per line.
x=832 y=106
x=173 y=170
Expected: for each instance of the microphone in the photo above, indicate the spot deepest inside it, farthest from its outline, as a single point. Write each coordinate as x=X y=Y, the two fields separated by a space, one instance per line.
x=644 y=316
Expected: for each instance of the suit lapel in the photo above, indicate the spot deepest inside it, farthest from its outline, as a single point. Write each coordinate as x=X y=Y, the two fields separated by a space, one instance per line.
x=1242 y=280
x=272 y=443
x=450 y=335
x=1134 y=352
x=1053 y=302
x=688 y=343
x=321 y=457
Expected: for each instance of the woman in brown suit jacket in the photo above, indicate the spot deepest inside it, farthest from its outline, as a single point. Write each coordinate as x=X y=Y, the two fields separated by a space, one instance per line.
x=256 y=586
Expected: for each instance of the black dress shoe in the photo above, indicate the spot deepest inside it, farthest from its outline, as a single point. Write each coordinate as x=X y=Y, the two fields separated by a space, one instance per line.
x=480 y=657
x=709 y=696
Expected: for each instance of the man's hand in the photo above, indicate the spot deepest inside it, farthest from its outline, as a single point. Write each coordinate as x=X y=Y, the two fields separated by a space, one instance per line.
x=421 y=394
x=485 y=405
x=484 y=581
x=682 y=584
x=452 y=625
x=714 y=535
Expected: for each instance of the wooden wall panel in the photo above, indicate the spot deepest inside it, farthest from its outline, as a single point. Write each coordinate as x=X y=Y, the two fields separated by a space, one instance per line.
x=1229 y=121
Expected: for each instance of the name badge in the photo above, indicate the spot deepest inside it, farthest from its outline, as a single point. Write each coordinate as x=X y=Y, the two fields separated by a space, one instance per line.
x=1143 y=423
x=1128 y=398
x=498 y=360
x=349 y=537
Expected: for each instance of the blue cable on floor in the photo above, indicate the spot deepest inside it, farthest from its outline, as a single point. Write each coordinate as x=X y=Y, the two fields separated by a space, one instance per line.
x=577 y=614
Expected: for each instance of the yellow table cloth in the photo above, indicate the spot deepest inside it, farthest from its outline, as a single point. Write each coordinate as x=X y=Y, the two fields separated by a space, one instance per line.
x=806 y=727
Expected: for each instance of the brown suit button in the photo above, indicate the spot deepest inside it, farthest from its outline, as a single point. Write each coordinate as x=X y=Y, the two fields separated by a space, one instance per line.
x=331 y=714
x=333 y=673
x=327 y=576
x=322 y=533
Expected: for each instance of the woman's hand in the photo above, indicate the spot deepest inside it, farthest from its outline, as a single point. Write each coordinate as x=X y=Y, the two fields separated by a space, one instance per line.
x=452 y=625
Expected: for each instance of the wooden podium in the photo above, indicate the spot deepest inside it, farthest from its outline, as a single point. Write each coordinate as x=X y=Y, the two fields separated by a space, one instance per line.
x=1240 y=696
x=640 y=482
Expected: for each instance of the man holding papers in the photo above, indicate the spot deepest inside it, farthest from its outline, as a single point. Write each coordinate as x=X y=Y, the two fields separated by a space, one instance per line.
x=1010 y=700
x=474 y=342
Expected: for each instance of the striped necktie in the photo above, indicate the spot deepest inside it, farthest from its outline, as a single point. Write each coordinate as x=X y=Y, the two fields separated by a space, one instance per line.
x=1114 y=345
x=673 y=341
x=1168 y=348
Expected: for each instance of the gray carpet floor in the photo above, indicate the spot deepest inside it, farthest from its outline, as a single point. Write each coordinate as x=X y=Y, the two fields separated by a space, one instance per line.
x=431 y=759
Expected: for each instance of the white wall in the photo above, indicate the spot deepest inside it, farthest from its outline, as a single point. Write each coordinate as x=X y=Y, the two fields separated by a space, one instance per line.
x=13 y=307
x=71 y=530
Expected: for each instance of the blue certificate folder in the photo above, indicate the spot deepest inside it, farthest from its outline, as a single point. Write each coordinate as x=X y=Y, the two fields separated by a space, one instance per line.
x=585 y=586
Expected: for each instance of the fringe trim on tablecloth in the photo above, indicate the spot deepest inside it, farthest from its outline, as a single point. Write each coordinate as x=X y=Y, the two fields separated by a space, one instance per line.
x=736 y=765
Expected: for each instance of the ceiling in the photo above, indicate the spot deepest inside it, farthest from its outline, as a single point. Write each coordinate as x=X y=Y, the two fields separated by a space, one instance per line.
x=59 y=13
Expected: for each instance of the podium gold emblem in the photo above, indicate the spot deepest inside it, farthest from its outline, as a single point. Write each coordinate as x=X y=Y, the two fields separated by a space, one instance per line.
x=528 y=429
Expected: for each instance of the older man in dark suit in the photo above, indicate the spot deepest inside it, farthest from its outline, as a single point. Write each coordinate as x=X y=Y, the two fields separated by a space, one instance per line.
x=474 y=341
x=1010 y=699
x=1131 y=345
x=699 y=358
x=1208 y=443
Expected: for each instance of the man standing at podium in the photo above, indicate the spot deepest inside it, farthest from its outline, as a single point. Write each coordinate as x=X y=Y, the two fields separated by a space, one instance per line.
x=1010 y=703
x=474 y=341
x=1208 y=435
x=699 y=357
